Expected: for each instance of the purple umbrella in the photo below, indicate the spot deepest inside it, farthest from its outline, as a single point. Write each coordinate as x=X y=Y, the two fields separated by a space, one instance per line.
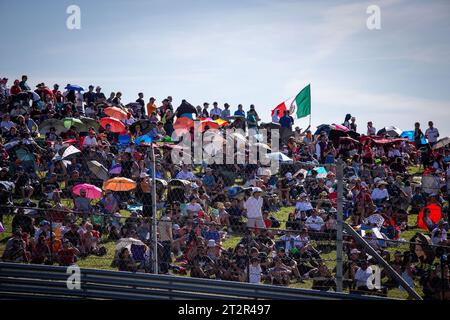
x=115 y=169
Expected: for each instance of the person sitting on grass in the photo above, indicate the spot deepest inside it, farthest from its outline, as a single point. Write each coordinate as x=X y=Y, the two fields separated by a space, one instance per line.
x=125 y=261
x=68 y=254
x=202 y=264
x=279 y=274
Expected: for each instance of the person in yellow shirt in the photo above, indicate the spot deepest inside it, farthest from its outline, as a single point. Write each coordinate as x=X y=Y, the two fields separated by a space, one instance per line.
x=151 y=106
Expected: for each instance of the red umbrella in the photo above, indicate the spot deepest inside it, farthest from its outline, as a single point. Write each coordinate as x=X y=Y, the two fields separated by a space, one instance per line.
x=183 y=123
x=116 y=124
x=211 y=124
x=116 y=113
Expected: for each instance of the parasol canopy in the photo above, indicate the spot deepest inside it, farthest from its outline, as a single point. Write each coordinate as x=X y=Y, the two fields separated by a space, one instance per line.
x=116 y=112
x=45 y=126
x=74 y=87
x=390 y=131
x=116 y=124
x=441 y=143
x=278 y=156
x=90 y=122
x=98 y=170
x=92 y=192
x=119 y=184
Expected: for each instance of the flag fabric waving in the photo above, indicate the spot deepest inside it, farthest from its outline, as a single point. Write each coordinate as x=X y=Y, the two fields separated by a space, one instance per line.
x=282 y=106
x=300 y=104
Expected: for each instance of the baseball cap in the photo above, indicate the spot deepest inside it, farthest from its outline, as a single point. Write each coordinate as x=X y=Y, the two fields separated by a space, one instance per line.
x=256 y=189
x=211 y=243
x=355 y=251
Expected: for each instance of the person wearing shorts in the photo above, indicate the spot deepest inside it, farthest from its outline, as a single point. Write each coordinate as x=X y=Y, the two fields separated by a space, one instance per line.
x=253 y=206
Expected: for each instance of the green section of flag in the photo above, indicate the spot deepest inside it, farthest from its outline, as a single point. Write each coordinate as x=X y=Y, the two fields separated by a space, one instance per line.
x=303 y=102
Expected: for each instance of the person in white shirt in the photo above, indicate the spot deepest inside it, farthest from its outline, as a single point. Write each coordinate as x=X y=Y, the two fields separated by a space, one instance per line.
x=362 y=276
x=314 y=222
x=186 y=174
x=439 y=234
x=303 y=204
x=253 y=207
x=6 y=124
x=90 y=140
x=432 y=134
x=254 y=271
x=371 y=131
x=193 y=206
x=380 y=193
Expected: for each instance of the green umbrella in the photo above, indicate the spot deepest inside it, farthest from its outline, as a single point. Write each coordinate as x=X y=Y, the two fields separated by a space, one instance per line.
x=68 y=122
x=89 y=122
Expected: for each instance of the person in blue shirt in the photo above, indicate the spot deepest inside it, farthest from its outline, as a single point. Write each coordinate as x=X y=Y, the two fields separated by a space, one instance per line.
x=211 y=233
x=240 y=112
x=209 y=181
x=286 y=121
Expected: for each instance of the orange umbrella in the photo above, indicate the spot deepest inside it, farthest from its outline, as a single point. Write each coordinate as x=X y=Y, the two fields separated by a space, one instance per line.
x=116 y=113
x=116 y=124
x=119 y=184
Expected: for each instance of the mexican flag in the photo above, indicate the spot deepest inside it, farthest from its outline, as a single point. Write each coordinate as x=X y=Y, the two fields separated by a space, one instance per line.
x=300 y=104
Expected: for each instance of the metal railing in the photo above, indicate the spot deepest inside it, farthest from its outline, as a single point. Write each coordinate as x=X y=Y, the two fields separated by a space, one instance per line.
x=26 y=281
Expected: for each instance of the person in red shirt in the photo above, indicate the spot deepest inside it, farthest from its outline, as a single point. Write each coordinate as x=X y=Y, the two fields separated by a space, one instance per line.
x=15 y=89
x=68 y=254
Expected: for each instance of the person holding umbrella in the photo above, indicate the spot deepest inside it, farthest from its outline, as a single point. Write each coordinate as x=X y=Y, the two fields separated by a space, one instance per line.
x=82 y=204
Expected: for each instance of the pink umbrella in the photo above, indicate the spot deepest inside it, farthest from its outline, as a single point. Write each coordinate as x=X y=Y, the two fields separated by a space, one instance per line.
x=341 y=127
x=92 y=192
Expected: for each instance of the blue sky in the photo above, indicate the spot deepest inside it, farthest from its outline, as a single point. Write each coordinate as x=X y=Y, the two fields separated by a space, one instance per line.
x=248 y=51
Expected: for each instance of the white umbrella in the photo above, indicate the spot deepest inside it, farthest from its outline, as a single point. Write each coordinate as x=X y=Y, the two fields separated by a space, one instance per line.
x=127 y=242
x=278 y=156
x=262 y=145
x=442 y=143
x=70 y=150
x=391 y=131
x=376 y=219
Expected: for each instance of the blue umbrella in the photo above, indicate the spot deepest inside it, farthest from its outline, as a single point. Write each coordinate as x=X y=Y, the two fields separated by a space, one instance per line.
x=143 y=139
x=410 y=136
x=74 y=87
x=323 y=127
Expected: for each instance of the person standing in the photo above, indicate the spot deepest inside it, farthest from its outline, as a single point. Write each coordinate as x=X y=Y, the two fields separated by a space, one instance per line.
x=286 y=121
x=225 y=112
x=141 y=102
x=205 y=113
x=23 y=84
x=253 y=207
x=240 y=111
x=432 y=134
x=353 y=124
x=418 y=135
x=371 y=131
x=215 y=111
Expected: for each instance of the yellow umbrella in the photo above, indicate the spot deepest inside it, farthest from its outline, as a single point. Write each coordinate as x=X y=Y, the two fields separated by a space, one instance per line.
x=119 y=184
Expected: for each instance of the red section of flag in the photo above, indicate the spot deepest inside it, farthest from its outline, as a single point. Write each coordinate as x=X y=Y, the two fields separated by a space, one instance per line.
x=280 y=108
